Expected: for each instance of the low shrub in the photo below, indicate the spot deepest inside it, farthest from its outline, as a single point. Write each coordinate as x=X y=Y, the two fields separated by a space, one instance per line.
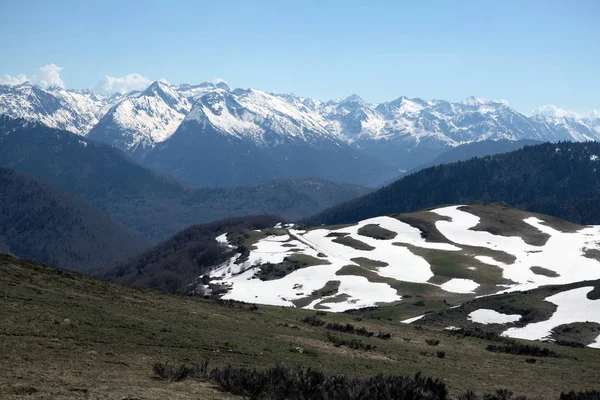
x=352 y=343
x=384 y=335
x=570 y=343
x=589 y=395
x=176 y=373
x=500 y=394
x=441 y=354
x=531 y=360
x=349 y=328
x=479 y=334
x=313 y=320
x=238 y=305
x=523 y=350
x=432 y=342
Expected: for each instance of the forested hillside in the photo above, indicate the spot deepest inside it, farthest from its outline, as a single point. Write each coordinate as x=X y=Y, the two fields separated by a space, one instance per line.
x=190 y=253
x=40 y=222
x=559 y=179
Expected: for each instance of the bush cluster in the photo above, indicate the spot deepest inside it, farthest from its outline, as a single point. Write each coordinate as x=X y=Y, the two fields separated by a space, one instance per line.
x=296 y=383
x=313 y=320
x=523 y=350
x=479 y=334
x=351 y=343
x=570 y=343
x=589 y=395
x=349 y=328
x=238 y=305
x=500 y=394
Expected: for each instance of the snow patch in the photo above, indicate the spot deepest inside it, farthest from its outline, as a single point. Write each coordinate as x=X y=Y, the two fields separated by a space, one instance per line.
x=572 y=306
x=458 y=285
x=411 y=320
x=486 y=316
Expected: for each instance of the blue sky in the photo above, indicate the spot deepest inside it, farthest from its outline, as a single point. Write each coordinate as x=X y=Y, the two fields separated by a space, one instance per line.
x=528 y=52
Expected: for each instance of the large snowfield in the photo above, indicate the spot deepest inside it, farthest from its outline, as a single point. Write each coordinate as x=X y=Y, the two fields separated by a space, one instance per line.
x=563 y=254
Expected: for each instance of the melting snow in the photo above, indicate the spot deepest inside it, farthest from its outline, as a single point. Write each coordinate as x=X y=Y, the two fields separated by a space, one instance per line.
x=458 y=285
x=487 y=316
x=572 y=306
x=411 y=320
x=563 y=253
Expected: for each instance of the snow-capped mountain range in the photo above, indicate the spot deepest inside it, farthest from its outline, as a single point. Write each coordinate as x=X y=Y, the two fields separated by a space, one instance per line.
x=401 y=133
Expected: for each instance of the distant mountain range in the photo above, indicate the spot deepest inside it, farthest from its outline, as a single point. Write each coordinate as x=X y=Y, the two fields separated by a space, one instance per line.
x=151 y=203
x=212 y=135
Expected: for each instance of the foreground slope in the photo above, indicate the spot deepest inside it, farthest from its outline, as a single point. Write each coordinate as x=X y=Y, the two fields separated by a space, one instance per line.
x=69 y=336
x=153 y=204
x=560 y=179
x=41 y=222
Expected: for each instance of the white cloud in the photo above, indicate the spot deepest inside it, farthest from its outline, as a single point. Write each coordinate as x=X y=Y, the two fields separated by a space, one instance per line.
x=123 y=84
x=13 y=80
x=595 y=114
x=553 y=111
x=47 y=76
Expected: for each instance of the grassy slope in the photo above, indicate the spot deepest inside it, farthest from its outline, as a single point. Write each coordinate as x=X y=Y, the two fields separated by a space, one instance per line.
x=65 y=334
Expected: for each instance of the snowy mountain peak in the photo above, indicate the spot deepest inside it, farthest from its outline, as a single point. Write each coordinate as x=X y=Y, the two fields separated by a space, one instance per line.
x=399 y=132
x=141 y=119
x=256 y=114
x=354 y=98
x=170 y=96
x=473 y=101
x=69 y=110
x=221 y=84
